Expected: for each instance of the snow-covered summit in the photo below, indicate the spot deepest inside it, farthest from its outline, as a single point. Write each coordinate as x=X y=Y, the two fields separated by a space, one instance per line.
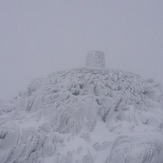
x=84 y=115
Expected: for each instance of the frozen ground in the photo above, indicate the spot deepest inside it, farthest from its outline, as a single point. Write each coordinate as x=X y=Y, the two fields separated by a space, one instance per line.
x=84 y=116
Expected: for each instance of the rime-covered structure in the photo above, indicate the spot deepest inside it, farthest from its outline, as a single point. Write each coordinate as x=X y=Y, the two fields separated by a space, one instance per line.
x=84 y=115
x=95 y=59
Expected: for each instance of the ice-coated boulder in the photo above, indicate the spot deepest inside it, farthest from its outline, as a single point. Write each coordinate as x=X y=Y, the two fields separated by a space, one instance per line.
x=84 y=115
x=95 y=59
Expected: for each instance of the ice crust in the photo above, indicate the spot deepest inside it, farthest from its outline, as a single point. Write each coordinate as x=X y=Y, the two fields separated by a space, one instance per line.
x=84 y=115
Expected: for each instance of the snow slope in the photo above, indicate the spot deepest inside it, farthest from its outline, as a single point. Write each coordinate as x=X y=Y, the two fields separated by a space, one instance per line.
x=84 y=115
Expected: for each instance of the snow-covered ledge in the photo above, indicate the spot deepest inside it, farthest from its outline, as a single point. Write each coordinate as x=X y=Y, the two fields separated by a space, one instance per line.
x=95 y=59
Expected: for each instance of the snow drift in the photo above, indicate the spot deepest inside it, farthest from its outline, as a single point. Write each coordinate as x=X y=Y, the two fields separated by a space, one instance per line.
x=84 y=115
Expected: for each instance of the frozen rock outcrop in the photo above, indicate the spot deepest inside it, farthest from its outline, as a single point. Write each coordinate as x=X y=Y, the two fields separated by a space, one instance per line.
x=84 y=115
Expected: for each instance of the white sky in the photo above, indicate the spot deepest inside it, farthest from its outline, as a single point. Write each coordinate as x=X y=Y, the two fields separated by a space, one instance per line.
x=38 y=37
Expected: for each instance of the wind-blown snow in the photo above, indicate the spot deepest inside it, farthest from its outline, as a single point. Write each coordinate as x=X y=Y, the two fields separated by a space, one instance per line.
x=84 y=116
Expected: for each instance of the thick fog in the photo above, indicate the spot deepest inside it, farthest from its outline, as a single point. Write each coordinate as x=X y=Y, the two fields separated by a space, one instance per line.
x=40 y=37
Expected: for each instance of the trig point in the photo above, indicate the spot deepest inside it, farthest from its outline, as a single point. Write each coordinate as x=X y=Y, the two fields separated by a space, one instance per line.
x=95 y=59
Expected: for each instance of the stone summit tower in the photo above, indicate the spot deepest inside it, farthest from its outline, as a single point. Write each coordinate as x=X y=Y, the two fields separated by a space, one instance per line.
x=95 y=59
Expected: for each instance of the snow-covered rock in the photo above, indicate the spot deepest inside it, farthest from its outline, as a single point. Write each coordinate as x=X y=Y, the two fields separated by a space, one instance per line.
x=84 y=115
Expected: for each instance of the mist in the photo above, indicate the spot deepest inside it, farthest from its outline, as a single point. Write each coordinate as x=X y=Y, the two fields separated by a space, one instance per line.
x=41 y=37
